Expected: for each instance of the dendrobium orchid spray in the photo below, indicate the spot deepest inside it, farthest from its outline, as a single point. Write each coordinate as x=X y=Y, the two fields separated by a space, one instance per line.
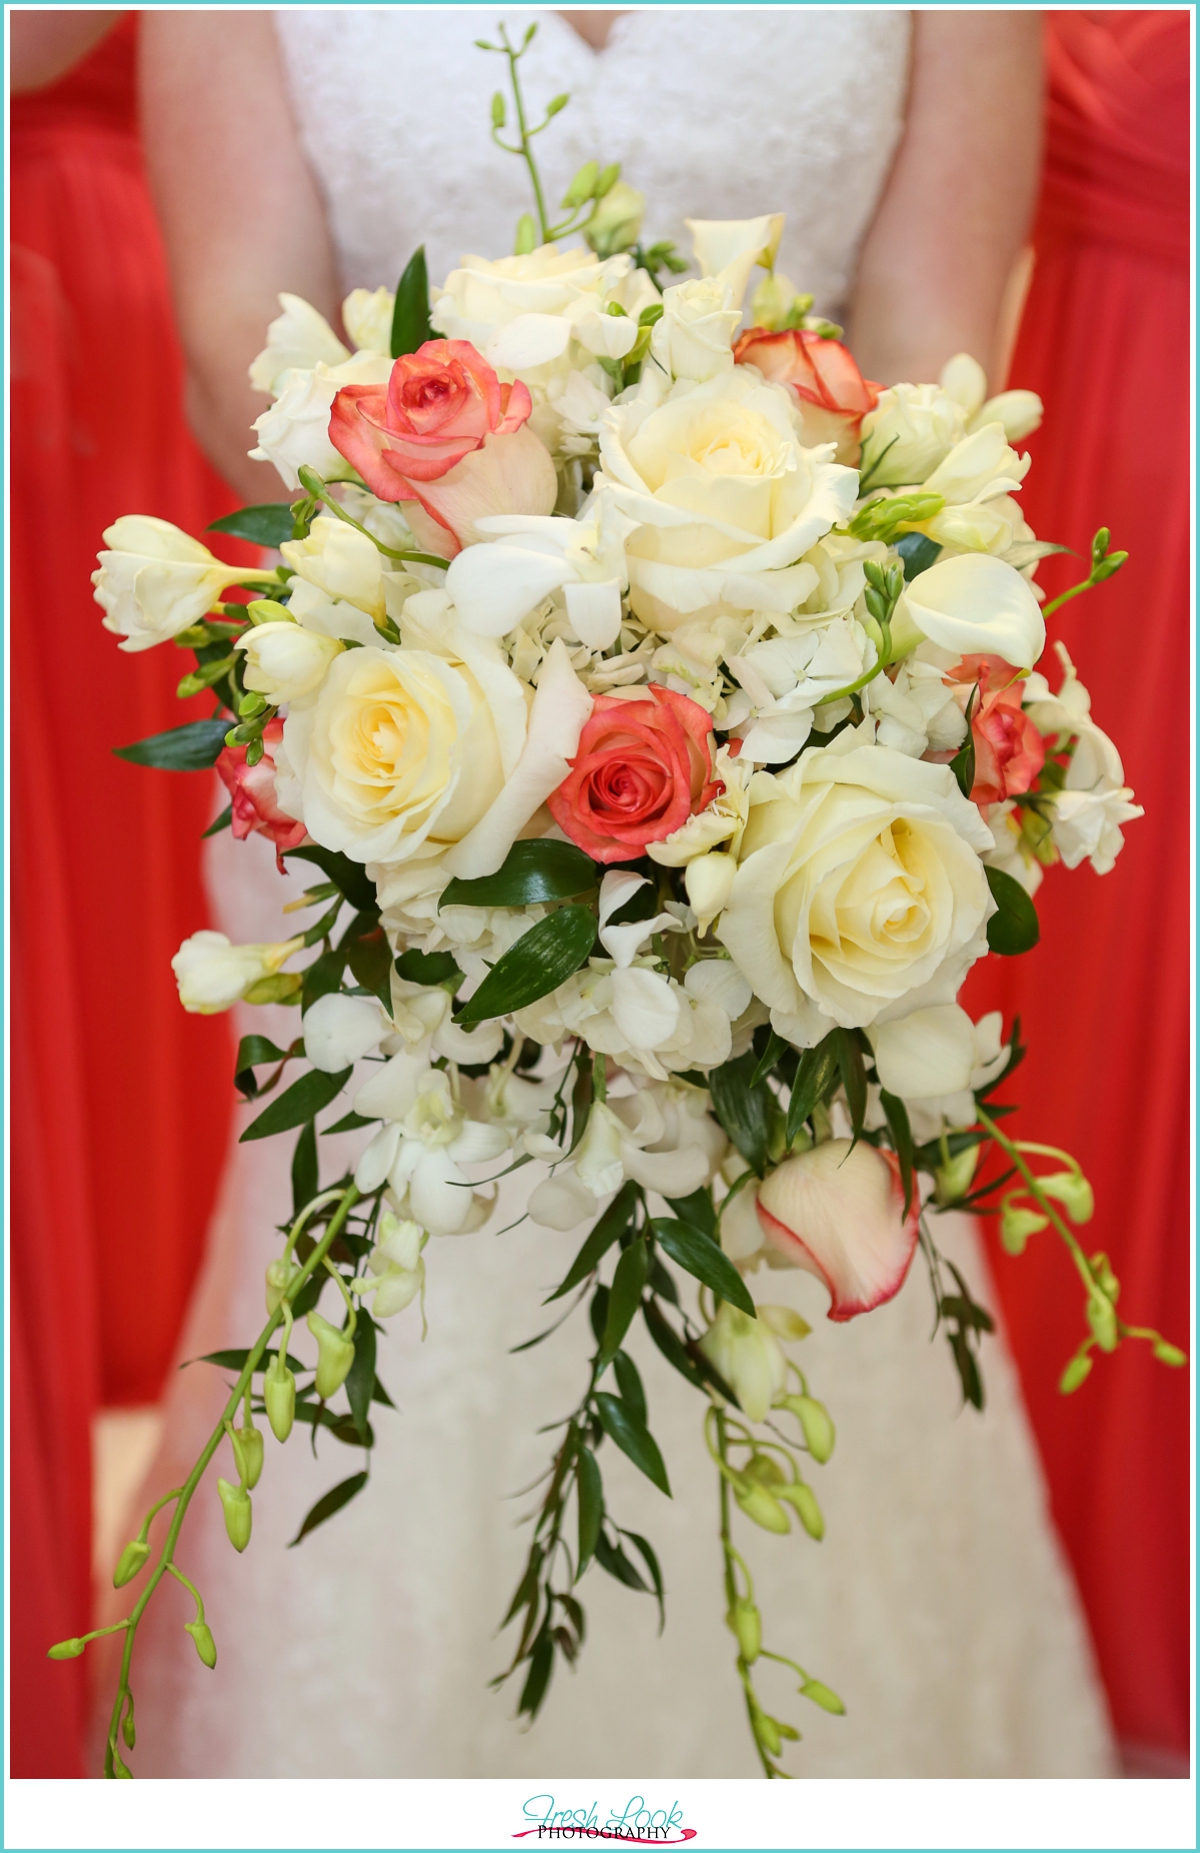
x=657 y=701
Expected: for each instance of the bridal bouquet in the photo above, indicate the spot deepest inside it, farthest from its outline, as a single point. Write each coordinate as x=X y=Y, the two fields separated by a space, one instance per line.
x=657 y=705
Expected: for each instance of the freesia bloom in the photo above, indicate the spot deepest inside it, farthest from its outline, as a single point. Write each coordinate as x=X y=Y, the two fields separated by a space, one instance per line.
x=729 y=249
x=838 y=1212
x=154 y=580
x=213 y=974
x=300 y=338
x=723 y=499
x=1009 y=750
x=446 y=434
x=252 y=791
x=859 y=884
x=642 y=769
x=1095 y=800
x=832 y=394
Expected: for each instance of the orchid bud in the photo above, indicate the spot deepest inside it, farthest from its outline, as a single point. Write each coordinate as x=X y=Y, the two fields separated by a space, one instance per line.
x=814 y=1420
x=66 y=1650
x=1079 y=1368
x=1017 y=1225
x=953 y=1179
x=805 y=1502
x=767 y=1732
x=762 y=1506
x=279 y=1395
x=130 y=1562
x=248 y=1454
x=1104 y=1277
x=1102 y=1317
x=1072 y=1190
x=744 y=1621
x=708 y=881
x=1169 y=1354
x=206 y=1647
x=280 y=1275
x=335 y=1355
x=822 y=1695
x=238 y=1513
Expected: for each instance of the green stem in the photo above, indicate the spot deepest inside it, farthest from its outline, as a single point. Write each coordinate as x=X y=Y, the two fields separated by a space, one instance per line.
x=526 y=150
x=1085 y=585
x=322 y=494
x=210 y=1447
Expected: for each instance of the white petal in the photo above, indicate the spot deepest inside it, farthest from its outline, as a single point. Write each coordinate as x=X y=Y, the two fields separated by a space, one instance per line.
x=718 y=981
x=495 y=584
x=468 y=1045
x=561 y=1202
x=927 y=1053
x=378 y=1159
x=478 y=1141
x=595 y=612
x=440 y=1197
x=645 y=1008
x=341 y=1030
x=392 y=1089
x=528 y=341
x=671 y=1174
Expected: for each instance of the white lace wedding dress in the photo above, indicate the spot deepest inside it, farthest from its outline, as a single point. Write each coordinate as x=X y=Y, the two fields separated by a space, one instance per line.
x=939 y=1604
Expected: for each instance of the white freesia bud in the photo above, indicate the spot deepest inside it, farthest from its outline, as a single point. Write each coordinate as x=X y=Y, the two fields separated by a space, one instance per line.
x=730 y=248
x=213 y=974
x=300 y=337
x=284 y=661
x=965 y=381
x=153 y=580
x=340 y=562
x=708 y=881
x=339 y=1031
x=749 y=1357
x=367 y=318
x=1020 y=412
x=973 y=603
x=982 y=462
x=693 y=339
x=911 y=429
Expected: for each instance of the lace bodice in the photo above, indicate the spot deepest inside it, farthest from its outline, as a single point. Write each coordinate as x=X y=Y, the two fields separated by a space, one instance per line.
x=719 y=114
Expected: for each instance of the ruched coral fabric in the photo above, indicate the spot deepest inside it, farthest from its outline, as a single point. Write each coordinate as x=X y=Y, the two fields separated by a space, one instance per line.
x=120 y=1103
x=1104 y=999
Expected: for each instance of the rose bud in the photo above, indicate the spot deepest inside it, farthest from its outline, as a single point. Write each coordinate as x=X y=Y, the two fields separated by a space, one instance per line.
x=838 y=1212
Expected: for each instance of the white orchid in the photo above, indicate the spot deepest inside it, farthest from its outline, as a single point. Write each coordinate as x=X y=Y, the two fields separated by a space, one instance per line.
x=1095 y=800
x=652 y=1136
x=396 y=1271
x=424 y=1143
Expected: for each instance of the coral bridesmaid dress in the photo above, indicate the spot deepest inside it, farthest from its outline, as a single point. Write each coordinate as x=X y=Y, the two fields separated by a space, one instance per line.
x=1104 y=999
x=120 y=1102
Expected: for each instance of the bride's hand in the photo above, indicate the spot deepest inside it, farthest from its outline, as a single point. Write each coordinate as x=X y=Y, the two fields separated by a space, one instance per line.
x=939 y=266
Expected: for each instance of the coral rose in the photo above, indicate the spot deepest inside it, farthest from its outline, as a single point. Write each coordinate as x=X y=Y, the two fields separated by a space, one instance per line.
x=1009 y=750
x=252 y=789
x=446 y=434
x=643 y=768
x=832 y=394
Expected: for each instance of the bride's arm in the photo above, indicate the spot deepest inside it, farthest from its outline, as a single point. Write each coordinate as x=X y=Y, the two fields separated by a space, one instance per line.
x=955 y=211
x=240 y=211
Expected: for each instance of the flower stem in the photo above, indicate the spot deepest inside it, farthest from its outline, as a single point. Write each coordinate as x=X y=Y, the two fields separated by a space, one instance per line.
x=730 y=1557
x=1043 y=1202
x=193 y=1480
x=526 y=150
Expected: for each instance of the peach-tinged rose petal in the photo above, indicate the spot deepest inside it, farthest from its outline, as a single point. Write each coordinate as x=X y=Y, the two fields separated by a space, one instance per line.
x=838 y=1213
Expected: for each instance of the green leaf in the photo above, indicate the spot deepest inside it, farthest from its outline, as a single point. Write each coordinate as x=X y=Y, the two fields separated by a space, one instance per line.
x=742 y=1109
x=704 y=1259
x=380 y=1395
x=630 y=1385
x=236 y=1360
x=902 y=1141
x=410 y=317
x=698 y=1209
x=651 y=1562
x=918 y=552
x=814 y=1074
x=854 y=1076
x=321 y=977
x=541 y=1665
x=329 y=1503
x=590 y=1489
x=360 y=1382
x=632 y=1438
x=670 y=1344
x=302 y=1101
x=350 y=877
x=427 y=967
x=219 y=823
x=612 y=1558
x=251 y=1051
x=306 y=1172
x=351 y=1122
x=624 y=1298
x=535 y=964
x=1014 y=926
x=774 y=1047
x=190 y=748
x=364 y=946
x=266 y=524
x=533 y=871
x=614 y=1222
x=598 y=1311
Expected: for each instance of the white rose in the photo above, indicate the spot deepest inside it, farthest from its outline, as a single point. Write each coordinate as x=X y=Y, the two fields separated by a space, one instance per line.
x=300 y=337
x=971 y=603
x=859 y=884
x=213 y=974
x=367 y=319
x=730 y=248
x=523 y=312
x=295 y=430
x=909 y=432
x=401 y=753
x=693 y=339
x=284 y=661
x=725 y=499
x=153 y=580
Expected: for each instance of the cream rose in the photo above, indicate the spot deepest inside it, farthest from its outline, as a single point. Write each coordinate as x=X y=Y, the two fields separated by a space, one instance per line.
x=859 y=885
x=401 y=753
x=693 y=338
x=725 y=499
x=524 y=312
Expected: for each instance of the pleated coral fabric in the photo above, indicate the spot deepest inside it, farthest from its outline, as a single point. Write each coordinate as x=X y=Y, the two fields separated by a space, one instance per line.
x=120 y=1102
x=1105 y=998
